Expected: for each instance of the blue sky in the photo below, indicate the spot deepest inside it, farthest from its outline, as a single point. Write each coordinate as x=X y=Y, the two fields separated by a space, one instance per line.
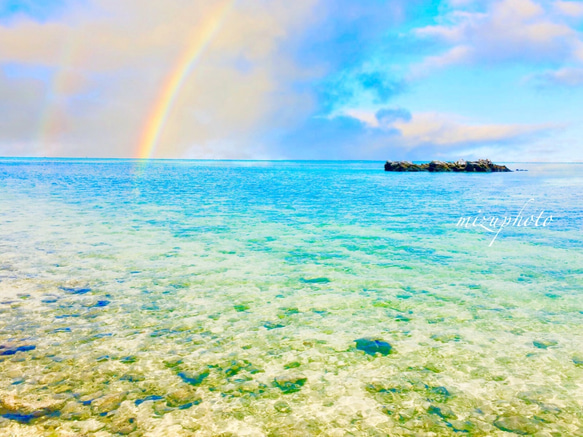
x=313 y=79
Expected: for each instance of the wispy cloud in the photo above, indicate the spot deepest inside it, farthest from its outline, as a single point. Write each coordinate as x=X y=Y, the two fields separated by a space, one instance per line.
x=568 y=77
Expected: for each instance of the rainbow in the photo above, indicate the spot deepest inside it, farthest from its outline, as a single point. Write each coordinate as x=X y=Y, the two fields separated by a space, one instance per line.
x=200 y=40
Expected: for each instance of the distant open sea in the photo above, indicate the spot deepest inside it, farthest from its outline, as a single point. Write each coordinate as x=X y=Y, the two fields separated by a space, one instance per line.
x=226 y=298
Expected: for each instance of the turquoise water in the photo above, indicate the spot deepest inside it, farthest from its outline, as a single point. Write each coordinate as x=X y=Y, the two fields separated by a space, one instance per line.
x=225 y=298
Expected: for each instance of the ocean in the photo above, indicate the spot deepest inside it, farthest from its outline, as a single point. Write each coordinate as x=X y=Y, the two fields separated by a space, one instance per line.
x=289 y=298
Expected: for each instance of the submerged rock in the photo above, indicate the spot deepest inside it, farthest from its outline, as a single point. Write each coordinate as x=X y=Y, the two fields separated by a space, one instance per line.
x=76 y=290
x=459 y=426
x=282 y=407
x=138 y=402
x=27 y=418
x=25 y=410
x=445 y=338
x=315 y=280
x=14 y=350
x=516 y=424
x=372 y=346
x=194 y=378
x=107 y=403
x=438 y=394
x=74 y=410
x=460 y=166
x=543 y=344
x=182 y=398
x=237 y=366
x=123 y=423
x=129 y=359
x=443 y=412
x=273 y=325
x=290 y=383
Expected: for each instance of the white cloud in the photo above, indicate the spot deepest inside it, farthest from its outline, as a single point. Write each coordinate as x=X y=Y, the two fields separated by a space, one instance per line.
x=366 y=117
x=446 y=130
x=510 y=31
x=570 y=8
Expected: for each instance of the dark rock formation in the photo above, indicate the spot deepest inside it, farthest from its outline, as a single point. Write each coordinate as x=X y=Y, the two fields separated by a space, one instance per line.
x=461 y=166
x=404 y=166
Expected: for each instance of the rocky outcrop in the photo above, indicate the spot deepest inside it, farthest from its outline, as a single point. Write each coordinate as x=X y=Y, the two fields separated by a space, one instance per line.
x=461 y=166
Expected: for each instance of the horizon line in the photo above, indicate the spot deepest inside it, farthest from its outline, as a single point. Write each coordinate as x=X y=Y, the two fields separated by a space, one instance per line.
x=86 y=158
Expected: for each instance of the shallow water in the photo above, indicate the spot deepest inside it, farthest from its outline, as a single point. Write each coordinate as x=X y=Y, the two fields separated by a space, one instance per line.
x=225 y=298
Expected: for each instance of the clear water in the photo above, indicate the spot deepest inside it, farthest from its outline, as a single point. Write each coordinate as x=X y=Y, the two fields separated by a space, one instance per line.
x=224 y=298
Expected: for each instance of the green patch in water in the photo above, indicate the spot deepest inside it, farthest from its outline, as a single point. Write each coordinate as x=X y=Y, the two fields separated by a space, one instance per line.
x=315 y=280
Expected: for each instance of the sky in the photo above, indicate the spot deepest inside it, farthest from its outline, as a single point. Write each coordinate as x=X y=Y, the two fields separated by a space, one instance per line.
x=308 y=79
